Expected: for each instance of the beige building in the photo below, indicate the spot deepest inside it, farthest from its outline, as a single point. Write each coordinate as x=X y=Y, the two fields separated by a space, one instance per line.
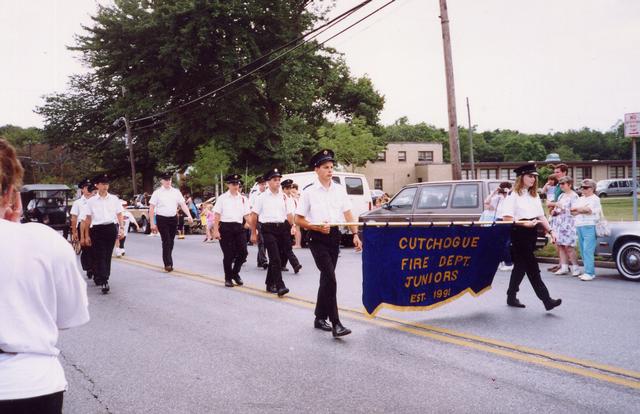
x=403 y=163
x=578 y=170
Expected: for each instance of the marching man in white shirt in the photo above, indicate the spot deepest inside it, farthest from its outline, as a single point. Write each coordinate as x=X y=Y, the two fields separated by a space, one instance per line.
x=272 y=210
x=104 y=219
x=164 y=204
x=326 y=202
x=229 y=210
x=88 y=191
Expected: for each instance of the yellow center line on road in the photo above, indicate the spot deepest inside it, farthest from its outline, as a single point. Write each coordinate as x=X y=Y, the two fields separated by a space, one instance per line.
x=608 y=373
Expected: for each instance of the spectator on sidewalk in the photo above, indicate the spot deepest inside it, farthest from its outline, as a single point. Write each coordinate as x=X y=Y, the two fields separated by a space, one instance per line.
x=564 y=228
x=587 y=211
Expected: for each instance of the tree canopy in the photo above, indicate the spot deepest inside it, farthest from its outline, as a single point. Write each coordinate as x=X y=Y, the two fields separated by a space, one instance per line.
x=168 y=54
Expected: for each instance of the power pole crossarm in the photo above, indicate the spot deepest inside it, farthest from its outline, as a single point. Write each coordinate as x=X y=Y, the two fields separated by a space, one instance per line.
x=454 y=145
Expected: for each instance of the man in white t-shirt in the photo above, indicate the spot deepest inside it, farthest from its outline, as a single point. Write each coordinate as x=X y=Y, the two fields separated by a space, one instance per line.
x=41 y=291
x=163 y=206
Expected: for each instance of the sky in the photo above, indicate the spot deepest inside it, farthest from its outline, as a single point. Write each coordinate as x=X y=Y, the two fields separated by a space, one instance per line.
x=534 y=66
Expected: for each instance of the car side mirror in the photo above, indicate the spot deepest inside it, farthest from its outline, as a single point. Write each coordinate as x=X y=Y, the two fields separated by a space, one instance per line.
x=387 y=206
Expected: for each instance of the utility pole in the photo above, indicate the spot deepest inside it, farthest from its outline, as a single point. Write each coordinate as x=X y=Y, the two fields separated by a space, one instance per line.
x=454 y=144
x=127 y=126
x=473 y=168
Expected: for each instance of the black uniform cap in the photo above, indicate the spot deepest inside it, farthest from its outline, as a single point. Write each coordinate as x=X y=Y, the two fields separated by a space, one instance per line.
x=321 y=157
x=102 y=178
x=260 y=179
x=526 y=169
x=166 y=175
x=272 y=173
x=85 y=182
x=286 y=183
x=232 y=179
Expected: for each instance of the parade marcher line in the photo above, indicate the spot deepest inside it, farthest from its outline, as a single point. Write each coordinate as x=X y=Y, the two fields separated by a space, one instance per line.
x=584 y=368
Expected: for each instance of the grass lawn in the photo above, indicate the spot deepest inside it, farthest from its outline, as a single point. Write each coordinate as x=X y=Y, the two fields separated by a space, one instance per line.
x=615 y=209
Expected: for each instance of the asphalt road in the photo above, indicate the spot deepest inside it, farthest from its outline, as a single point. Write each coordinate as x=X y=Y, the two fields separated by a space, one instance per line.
x=183 y=343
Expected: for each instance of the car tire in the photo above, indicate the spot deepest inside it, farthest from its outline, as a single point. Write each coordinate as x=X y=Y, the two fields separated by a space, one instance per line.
x=603 y=195
x=144 y=225
x=628 y=260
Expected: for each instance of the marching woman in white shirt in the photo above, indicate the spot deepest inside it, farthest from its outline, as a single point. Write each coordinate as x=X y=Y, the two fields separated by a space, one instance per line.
x=231 y=207
x=104 y=219
x=326 y=202
x=164 y=204
x=523 y=204
x=41 y=291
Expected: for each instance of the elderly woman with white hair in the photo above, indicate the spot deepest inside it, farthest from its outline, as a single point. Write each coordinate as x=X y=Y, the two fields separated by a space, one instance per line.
x=587 y=211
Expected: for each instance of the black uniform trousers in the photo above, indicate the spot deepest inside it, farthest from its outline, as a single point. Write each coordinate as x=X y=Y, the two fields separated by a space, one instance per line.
x=233 y=242
x=523 y=243
x=262 y=256
x=103 y=239
x=43 y=404
x=86 y=256
x=325 y=249
x=287 y=252
x=167 y=228
x=275 y=236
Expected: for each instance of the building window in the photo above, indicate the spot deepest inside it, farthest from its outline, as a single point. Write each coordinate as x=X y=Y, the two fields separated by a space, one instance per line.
x=616 y=172
x=505 y=174
x=377 y=183
x=382 y=156
x=419 y=179
x=582 y=173
x=425 y=156
x=488 y=173
x=402 y=155
x=466 y=174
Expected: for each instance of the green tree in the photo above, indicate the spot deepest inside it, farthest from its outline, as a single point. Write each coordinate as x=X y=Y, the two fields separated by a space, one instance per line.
x=167 y=53
x=210 y=162
x=353 y=142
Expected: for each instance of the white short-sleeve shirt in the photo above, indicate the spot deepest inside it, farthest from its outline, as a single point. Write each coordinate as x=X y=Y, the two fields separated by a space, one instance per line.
x=272 y=207
x=41 y=292
x=104 y=210
x=593 y=202
x=166 y=201
x=75 y=207
x=318 y=204
x=522 y=206
x=231 y=208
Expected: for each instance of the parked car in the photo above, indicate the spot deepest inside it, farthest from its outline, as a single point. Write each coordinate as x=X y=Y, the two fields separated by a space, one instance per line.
x=439 y=201
x=47 y=204
x=623 y=247
x=615 y=187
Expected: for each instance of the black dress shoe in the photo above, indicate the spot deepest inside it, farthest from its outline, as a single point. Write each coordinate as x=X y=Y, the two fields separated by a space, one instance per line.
x=238 y=280
x=105 y=288
x=89 y=274
x=339 y=330
x=272 y=289
x=228 y=283
x=285 y=269
x=168 y=269
x=514 y=302
x=282 y=291
x=296 y=269
x=322 y=324
x=552 y=303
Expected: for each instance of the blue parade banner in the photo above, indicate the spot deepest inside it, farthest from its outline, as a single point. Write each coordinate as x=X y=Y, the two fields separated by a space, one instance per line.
x=418 y=268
